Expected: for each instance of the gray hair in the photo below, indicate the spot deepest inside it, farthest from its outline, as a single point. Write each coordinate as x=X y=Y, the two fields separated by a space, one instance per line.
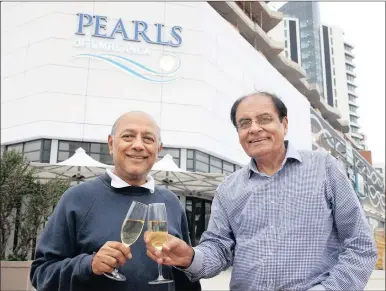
x=115 y=125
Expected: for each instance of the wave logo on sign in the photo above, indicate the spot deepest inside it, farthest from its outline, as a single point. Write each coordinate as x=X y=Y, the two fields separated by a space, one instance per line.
x=169 y=64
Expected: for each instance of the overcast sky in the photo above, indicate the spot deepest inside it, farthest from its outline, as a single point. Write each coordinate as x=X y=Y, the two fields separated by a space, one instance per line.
x=364 y=26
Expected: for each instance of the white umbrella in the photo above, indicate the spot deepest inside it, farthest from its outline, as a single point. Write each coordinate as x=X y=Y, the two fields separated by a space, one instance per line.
x=79 y=167
x=203 y=185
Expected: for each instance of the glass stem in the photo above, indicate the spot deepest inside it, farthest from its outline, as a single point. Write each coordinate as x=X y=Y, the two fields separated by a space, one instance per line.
x=160 y=277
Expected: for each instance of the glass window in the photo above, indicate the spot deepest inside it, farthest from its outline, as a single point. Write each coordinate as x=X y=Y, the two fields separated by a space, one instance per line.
x=202 y=167
x=15 y=147
x=72 y=146
x=228 y=167
x=33 y=156
x=63 y=156
x=47 y=144
x=189 y=165
x=99 y=148
x=171 y=151
x=103 y=158
x=175 y=153
x=206 y=163
x=353 y=119
x=213 y=169
x=349 y=68
x=46 y=157
x=98 y=151
x=215 y=162
x=32 y=146
x=64 y=146
x=34 y=151
x=353 y=108
x=200 y=156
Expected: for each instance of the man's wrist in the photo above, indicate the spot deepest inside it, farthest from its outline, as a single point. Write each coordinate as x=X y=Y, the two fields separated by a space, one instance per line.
x=189 y=262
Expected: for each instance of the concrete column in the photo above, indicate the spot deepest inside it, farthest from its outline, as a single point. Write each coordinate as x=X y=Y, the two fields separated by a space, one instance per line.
x=183 y=158
x=54 y=151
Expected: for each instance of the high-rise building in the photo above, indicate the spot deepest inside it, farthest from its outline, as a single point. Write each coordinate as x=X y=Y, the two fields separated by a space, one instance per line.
x=340 y=78
x=336 y=77
x=308 y=15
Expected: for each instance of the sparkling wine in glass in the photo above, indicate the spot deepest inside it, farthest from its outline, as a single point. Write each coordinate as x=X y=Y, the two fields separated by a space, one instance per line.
x=131 y=229
x=157 y=225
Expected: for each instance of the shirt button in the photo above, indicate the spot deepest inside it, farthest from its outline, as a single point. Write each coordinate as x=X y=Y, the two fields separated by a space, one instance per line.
x=272 y=201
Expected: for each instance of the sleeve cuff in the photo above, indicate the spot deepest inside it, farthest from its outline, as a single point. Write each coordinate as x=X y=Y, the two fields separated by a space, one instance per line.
x=85 y=271
x=196 y=265
x=319 y=287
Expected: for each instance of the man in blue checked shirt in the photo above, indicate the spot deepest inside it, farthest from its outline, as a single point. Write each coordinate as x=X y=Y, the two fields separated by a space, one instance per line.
x=290 y=220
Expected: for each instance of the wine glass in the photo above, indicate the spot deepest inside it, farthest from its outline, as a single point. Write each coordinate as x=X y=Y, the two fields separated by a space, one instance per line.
x=157 y=225
x=131 y=229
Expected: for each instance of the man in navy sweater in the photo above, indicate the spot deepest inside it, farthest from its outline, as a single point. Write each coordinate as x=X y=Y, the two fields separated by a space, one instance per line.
x=81 y=240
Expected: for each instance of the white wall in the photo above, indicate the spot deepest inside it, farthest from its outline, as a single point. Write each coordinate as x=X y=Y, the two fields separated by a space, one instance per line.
x=46 y=93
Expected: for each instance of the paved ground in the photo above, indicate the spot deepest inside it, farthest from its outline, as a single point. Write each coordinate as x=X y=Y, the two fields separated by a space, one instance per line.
x=221 y=282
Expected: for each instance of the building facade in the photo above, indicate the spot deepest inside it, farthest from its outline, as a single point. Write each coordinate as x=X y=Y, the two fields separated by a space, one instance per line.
x=69 y=69
x=340 y=80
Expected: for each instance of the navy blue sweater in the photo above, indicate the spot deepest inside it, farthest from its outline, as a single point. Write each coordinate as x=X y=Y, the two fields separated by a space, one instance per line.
x=86 y=217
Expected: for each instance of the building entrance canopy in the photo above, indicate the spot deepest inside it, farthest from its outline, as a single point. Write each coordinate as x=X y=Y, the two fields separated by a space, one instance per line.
x=81 y=167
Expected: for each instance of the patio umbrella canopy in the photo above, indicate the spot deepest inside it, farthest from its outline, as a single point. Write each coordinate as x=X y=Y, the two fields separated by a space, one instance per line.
x=166 y=172
x=79 y=167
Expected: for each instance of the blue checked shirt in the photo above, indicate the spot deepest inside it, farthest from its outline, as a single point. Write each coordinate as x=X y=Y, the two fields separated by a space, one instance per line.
x=301 y=229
